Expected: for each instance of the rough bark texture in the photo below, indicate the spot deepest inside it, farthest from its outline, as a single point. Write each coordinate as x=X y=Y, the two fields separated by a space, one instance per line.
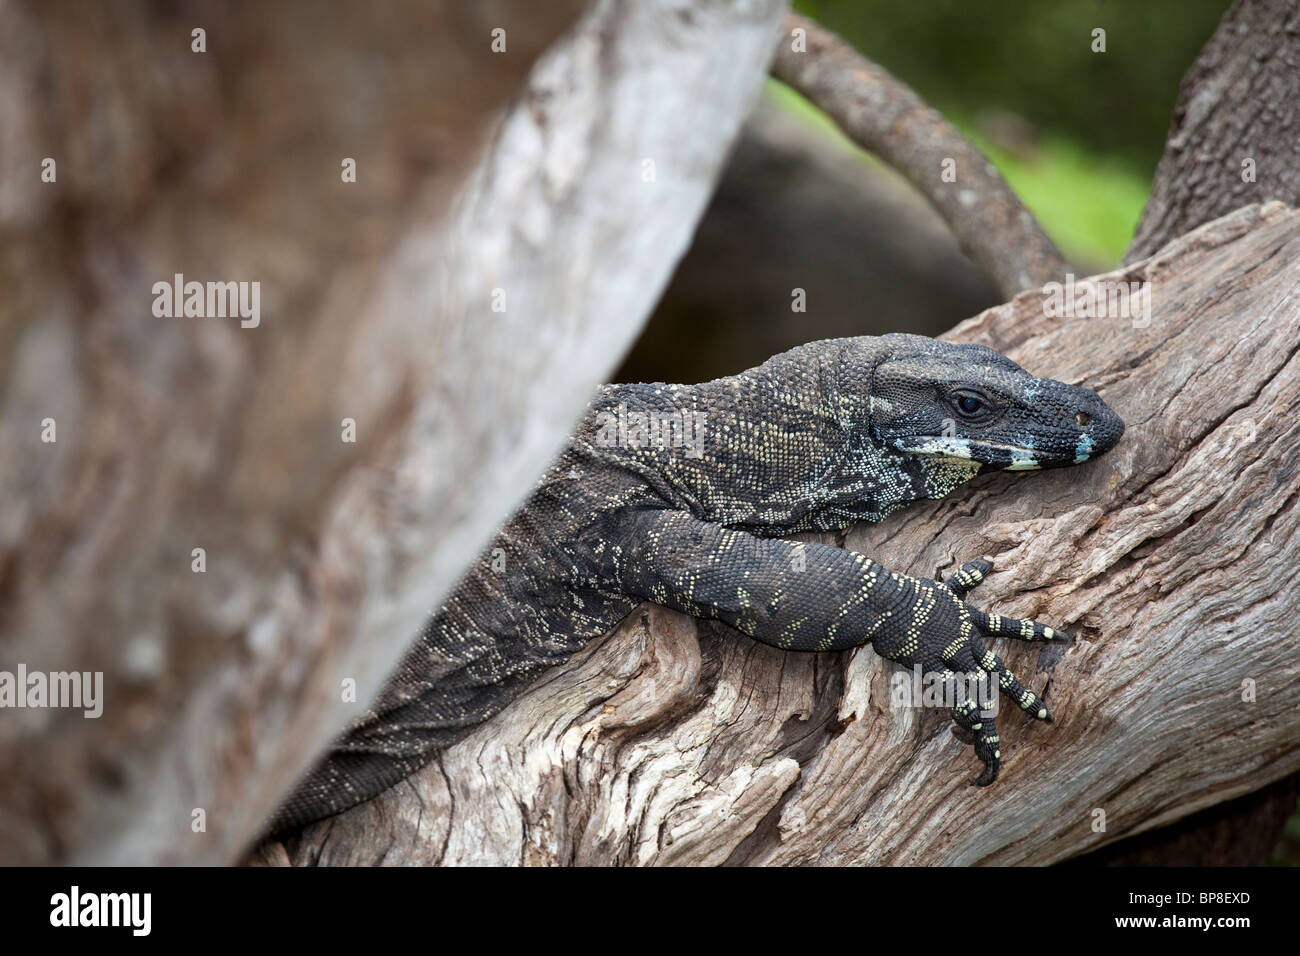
x=886 y=117
x=1238 y=104
x=322 y=556
x=1170 y=561
x=1240 y=832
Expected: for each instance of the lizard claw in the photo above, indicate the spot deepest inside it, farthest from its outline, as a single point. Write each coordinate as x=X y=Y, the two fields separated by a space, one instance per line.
x=988 y=775
x=971 y=721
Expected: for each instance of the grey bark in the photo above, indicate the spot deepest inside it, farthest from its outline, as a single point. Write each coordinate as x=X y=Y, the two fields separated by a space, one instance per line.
x=1235 y=134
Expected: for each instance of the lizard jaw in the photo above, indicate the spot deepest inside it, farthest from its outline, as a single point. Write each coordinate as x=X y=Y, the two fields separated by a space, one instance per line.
x=1018 y=458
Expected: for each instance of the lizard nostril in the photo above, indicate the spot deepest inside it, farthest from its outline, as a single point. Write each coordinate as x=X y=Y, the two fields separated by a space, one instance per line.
x=1083 y=418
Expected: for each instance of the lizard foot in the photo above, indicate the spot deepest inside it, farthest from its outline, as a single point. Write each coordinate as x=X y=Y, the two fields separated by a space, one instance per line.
x=973 y=724
x=942 y=633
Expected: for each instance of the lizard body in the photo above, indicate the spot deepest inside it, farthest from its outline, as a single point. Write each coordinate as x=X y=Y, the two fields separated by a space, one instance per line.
x=679 y=495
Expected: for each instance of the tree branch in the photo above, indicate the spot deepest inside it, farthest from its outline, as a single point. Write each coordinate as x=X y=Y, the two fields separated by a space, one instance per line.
x=886 y=117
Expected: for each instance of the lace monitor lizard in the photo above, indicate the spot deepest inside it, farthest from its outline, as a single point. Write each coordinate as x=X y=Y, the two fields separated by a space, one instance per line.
x=678 y=494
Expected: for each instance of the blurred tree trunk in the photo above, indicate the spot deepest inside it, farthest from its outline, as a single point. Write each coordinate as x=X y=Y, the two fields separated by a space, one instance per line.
x=199 y=531
x=1235 y=131
x=241 y=527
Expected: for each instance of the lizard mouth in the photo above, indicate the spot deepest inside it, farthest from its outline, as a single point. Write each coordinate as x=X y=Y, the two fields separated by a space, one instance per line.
x=996 y=454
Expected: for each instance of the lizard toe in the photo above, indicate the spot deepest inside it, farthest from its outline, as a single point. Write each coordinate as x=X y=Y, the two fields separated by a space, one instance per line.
x=968 y=576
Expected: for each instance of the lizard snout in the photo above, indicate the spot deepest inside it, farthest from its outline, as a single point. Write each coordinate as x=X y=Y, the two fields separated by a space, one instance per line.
x=1100 y=428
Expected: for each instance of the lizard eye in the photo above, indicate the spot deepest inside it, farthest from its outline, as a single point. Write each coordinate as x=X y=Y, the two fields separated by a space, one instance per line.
x=972 y=405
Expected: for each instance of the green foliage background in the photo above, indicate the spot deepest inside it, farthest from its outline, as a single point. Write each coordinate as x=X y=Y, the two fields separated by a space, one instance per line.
x=1098 y=120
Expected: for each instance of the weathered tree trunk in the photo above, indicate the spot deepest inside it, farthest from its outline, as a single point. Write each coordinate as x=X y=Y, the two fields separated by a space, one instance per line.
x=459 y=346
x=1234 y=140
x=1170 y=562
x=1235 y=131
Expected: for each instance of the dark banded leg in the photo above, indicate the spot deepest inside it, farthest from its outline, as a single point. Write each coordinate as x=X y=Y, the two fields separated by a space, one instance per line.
x=796 y=596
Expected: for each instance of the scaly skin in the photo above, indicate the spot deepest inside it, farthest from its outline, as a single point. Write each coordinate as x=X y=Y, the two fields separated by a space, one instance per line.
x=827 y=434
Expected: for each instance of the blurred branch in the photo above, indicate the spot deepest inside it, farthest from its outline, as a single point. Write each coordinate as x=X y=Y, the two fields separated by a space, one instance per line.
x=887 y=118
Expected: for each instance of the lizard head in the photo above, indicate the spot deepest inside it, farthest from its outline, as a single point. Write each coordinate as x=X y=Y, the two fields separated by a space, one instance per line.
x=968 y=409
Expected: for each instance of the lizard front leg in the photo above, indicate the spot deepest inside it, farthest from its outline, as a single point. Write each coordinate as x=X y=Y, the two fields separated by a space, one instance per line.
x=814 y=597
